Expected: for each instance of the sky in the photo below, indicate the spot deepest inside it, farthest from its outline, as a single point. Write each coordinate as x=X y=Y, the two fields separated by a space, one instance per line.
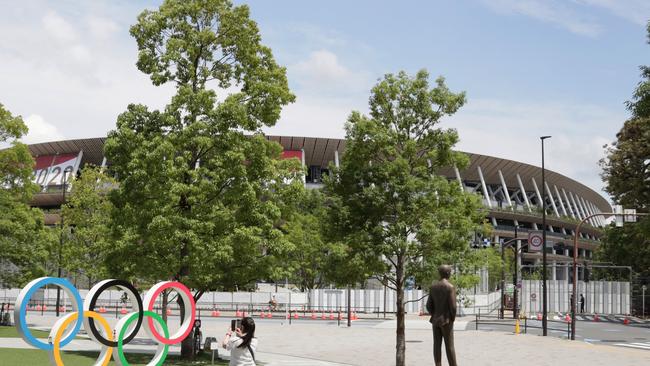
x=529 y=67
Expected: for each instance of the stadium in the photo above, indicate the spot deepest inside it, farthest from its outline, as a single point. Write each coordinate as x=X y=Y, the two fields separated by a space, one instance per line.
x=511 y=192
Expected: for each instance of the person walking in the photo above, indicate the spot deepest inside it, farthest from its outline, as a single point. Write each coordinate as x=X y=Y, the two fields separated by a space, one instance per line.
x=582 y=303
x=442 y=307
x=242 y=344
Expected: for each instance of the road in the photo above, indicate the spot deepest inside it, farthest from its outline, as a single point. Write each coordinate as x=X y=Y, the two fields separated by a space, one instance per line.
x=613 y=333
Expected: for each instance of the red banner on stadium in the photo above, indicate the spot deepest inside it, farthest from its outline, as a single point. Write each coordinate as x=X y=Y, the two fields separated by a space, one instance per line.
x=288 y=154
x=50 y=169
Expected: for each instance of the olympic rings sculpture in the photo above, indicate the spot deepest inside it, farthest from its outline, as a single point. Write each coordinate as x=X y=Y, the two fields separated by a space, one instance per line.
x=63 y=331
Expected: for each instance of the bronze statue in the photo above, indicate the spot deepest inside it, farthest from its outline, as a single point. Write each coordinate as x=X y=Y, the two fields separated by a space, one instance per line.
x=442 y=307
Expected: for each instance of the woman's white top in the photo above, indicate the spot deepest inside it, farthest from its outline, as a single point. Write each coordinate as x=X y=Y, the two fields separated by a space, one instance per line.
x=240 y=356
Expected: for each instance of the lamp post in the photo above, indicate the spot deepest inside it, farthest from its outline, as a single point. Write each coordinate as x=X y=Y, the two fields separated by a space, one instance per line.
x=515 y=293
x=503 y=276
x=58 y=288
x=544 y=302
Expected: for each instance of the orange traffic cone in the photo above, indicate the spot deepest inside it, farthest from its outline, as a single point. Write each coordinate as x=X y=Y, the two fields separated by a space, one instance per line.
x=123 y=311
x=262 y=315
x=354 y=316
x=322 y=316
x=331 y=316
x=296 y=316
x=44 y=307
x=39 y=308
x=313 y=315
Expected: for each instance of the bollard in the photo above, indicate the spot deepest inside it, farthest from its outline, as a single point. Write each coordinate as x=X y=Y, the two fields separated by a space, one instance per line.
x=517 y=326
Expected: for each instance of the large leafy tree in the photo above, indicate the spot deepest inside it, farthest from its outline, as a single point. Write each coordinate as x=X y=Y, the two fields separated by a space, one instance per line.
x=388 y=205
x=23 y=236
x=198 y=200
x=87 y=221
x=626 y=173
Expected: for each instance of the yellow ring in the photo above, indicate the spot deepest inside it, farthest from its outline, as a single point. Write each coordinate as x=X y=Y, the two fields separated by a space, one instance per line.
x=90 y=314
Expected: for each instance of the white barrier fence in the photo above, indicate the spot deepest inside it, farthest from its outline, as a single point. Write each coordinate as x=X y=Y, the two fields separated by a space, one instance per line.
x=602 y=297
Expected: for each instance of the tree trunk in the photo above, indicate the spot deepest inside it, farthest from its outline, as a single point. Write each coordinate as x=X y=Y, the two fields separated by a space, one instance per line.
x=187 y=346
x=400 y=355
x=165 y=302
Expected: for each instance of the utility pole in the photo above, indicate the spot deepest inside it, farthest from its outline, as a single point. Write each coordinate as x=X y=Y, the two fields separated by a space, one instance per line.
x=516 y=277
x=58 y=288
x=544 y=290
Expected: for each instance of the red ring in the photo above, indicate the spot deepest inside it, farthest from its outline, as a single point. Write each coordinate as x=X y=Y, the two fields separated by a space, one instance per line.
x=182 y=288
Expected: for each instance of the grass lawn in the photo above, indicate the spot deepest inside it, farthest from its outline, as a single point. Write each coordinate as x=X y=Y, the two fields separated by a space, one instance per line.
x=11 y=332
x=13 y=357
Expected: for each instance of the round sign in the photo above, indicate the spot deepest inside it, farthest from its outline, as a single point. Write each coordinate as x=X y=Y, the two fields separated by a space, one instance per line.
x=533 y=296
x=535 y=241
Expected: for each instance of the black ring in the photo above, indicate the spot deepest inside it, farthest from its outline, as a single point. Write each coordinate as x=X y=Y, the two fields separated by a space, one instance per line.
x=91 y=307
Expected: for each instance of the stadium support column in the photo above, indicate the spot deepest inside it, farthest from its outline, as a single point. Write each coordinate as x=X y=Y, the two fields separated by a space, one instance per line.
x=505 y=189
x=484 y=187
x=559 y=199
x=302 y=163
x=460 y=180
x=568 y=204
x=523 y=192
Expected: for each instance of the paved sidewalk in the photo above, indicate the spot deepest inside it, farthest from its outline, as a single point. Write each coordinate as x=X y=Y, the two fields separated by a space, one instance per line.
x=328 y=345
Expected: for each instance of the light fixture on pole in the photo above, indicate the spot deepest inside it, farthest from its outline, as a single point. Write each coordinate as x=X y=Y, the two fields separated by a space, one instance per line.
x=544 y=290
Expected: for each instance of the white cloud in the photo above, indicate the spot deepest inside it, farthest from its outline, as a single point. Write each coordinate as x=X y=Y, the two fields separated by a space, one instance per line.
x=101 y=28
x=636 y=11
x=322 y=73
x=549 y=11
x=58 y=28
x=40 y=130
x=511 y=130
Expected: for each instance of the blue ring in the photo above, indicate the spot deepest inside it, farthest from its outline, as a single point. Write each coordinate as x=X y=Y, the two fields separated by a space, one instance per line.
x=61 y=282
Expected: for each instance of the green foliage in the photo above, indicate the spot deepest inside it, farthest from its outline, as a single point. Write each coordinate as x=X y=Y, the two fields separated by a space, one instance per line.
x=23 y=237
x=626 y=173
x=626 y=170
x=628 y=246
x=640 y=103
x=397 y=218
x=87 y=220
x=198 y=200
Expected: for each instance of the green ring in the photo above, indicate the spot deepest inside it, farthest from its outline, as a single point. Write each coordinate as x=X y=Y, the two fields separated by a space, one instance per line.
x=129 y=320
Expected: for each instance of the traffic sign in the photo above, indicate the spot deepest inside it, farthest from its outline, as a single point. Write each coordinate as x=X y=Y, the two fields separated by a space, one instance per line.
x=535 y=241
x=533 y=296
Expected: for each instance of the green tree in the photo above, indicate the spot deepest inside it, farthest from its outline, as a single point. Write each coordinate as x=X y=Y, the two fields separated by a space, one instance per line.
x=198 y=200
x=388 y=205
x=87 y=223
x=23 y=236
x=626 y=173
x=640 y=103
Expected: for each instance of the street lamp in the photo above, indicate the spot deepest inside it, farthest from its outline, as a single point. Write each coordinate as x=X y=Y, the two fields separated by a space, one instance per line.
x=544 y=302
x=58 y=288
x=503 y=275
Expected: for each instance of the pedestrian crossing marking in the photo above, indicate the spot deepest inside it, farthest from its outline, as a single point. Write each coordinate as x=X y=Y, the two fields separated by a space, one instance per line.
x=637 y=345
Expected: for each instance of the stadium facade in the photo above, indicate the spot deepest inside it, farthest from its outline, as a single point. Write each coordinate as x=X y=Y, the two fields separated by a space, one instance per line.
x=511 y=192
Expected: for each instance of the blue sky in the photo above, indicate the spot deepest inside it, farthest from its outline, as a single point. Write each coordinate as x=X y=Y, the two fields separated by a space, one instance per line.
x=529 y=67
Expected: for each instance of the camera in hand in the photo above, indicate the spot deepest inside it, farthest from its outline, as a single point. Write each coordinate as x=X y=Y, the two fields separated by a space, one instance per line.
x=234 y=324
